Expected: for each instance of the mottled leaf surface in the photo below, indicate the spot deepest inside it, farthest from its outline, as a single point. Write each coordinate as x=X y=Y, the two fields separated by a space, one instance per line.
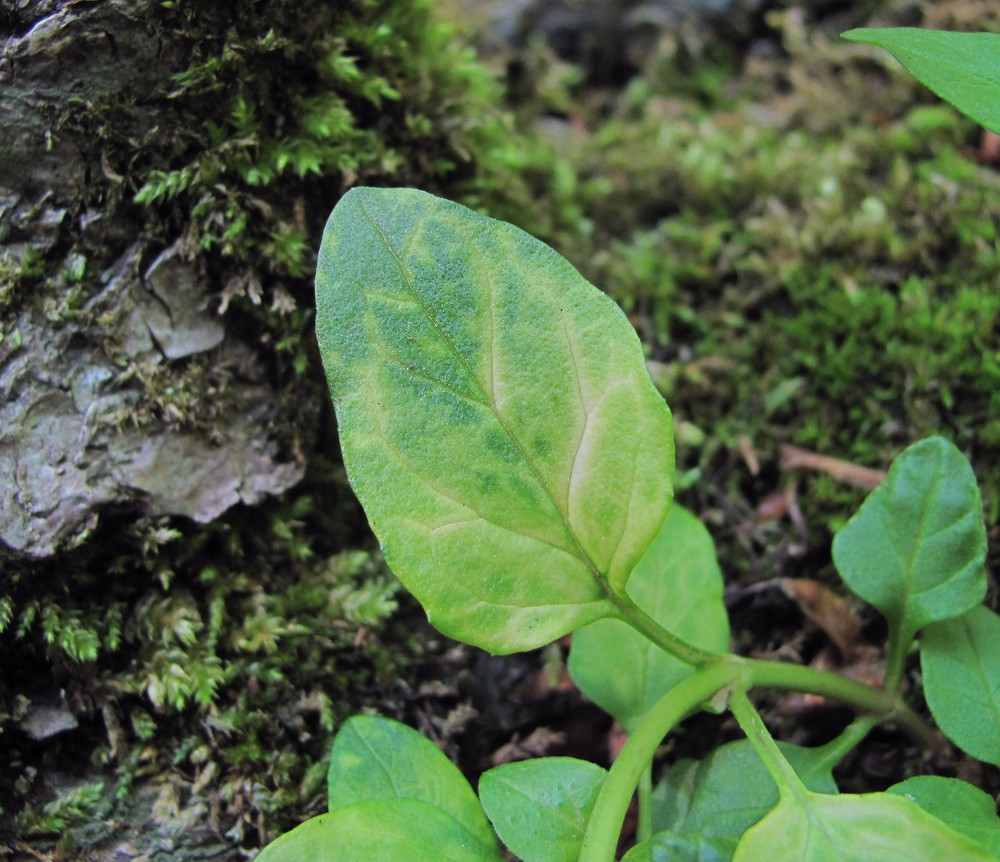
x=668 y=847
x=377 y=758
x=730 y=790
x=496 y=417
x=540 y=807
x=962 y=68
x=389 y=830
x=965 y=808
x=916 y=547
x=679 y=584
x=874 y=827
x=960 y=660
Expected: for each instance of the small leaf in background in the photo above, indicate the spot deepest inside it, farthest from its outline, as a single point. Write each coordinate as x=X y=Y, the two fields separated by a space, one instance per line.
x=377 y=758
x=668 y=847
x=398 y=829
x=678 y=583
x=496 y=417
x=962 y=68
x=540 y=808
x=916 y=547
x=723 y=795
x=874 y=827
x=960 y=660
x=965 y=808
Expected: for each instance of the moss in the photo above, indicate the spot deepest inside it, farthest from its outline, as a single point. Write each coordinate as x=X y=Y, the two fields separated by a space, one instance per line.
x=218 y=659
x=808 y=268
x=241 y=645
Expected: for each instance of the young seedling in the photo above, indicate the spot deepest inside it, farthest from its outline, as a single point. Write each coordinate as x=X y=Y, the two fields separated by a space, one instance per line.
x=516 y=463
x=514 y=460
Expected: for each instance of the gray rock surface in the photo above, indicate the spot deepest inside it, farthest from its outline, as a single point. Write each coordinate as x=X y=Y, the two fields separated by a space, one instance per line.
x=68 y=392
x=84 y=362
x=608 y=37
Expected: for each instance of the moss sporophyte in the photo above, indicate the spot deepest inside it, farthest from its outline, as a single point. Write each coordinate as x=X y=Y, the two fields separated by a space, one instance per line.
x=521 y=488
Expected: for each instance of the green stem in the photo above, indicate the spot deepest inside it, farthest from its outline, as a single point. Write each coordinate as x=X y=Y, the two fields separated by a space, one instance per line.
x=884 y=701
x=896 y=652
x=886 y=704
x=606 y=820
x=643 y=623
x=604 y=827
x=796 y=677
x=760 y=738
x=837 y=749
x=644 y=829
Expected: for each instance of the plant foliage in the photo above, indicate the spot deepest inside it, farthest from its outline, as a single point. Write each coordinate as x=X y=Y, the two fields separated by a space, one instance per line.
x=466 y=441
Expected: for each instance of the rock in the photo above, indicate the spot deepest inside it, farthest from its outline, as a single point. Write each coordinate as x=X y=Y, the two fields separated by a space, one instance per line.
x=67 y=440
x=610 y=39
x=175 y=313
x=92 y=371
x=43 y=719
x=68 y=57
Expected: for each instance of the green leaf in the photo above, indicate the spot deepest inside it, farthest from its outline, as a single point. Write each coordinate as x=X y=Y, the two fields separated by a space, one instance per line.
x=962 y=68
x=965 y=808
x=399 y=829
x=723 y=795
x=376 y=759
x=915 y=549
x=668 y=847
x=540 y=808
x=875 y=827
x=960 y=660
x=496 y=417
x=678 y=583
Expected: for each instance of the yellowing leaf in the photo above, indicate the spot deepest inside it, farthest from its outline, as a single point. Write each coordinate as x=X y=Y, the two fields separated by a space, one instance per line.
x=496 y=417
x=873 y=827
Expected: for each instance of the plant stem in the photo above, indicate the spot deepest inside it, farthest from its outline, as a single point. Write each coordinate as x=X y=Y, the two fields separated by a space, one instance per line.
x=604 y=827
x=760 y=738
x=896 y=652
x=644 y=829
x=606 y=820
x=643 y=623
x=885 y=704
x=797 y=677
x=837 y=749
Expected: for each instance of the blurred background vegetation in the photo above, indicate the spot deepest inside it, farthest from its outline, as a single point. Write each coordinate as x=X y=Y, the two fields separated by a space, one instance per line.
x=807 y=241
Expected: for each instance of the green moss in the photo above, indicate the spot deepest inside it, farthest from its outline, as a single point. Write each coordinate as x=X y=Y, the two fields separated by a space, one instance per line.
x=239 y=645
x=803 y=273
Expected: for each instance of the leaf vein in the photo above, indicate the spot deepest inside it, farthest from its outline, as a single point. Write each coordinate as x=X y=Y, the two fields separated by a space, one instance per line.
x=408 y=279
x=413 y=371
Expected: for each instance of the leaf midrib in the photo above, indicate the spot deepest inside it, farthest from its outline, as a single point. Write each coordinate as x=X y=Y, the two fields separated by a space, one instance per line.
x=489 y=396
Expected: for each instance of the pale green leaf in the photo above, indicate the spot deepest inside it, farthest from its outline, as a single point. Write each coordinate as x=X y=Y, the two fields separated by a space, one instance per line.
x=388 y=830
x=874 y=827
x=916 y=547
x=726 y=793
x=965 y=808
x=540 y=808
x=377 y=758
x=679 y=584
x=496 y=417
x=962 y=68
x=960 y=660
